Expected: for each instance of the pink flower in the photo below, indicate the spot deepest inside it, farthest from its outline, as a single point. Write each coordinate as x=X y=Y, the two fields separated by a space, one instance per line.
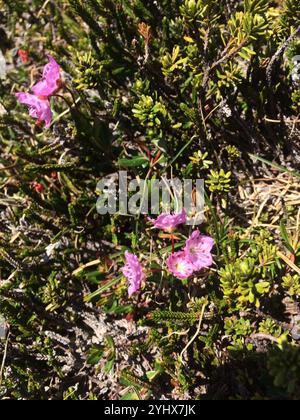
x=180 y=265
x=38 y=108
x=51 y=80
x=198 y=249
x=133 y=271
x=168 y=221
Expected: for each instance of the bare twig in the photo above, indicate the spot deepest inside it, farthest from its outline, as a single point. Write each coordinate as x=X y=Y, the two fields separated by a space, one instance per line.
x=279 y=53
x=226 y=55
x=285 y=121
x=196 y=333
x=288 y=262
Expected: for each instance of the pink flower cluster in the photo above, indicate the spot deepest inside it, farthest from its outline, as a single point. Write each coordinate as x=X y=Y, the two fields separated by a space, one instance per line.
x=38 y=102
x=195 y=256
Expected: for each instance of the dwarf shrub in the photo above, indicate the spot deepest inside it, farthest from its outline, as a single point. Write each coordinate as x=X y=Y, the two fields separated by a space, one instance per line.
x=184 y=88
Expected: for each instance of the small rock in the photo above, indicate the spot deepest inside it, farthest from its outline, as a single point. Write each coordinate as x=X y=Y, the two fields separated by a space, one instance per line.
x=295 y=332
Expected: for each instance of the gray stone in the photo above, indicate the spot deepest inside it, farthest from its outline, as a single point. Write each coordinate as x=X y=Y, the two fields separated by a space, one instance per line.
x=295 y=332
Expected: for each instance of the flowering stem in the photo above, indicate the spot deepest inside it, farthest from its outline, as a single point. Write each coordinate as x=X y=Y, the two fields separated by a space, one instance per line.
x=65 y=99
x=71 y=93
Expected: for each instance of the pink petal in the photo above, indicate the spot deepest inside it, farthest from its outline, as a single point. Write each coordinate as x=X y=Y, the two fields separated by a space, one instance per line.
x=199 y=247
x=133 y=271
x=26 y=98
x=51 y=79
x=204 y=242
x=180 y=265
x=44 y=89
x=202 y=261
x=38 y=108
x=52 y=69
x=168 y=221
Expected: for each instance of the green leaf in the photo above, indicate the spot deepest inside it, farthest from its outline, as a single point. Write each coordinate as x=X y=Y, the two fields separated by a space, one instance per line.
x=95 y=355
x=262 y=287
x=102 y=289
x=275 y=165
x=151 y=374
x=134 y=162
x=109 y=365
x=251 y=297
x=130 y=396
x=285 y=237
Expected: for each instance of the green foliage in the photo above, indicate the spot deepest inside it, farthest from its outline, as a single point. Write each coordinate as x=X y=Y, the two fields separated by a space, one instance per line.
x=240 y=283
x=174 y=317
x=246 y=280
x=149 y=112
x=219 y=181
x=89 y=72
x=291 y=14
x=162 y=89
x=284 y=366
x=238 y=330
x=269 y=326
x=200 y=159
x=233 y=153
x=53 y=293
x=193 y=10
x=291 y=284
